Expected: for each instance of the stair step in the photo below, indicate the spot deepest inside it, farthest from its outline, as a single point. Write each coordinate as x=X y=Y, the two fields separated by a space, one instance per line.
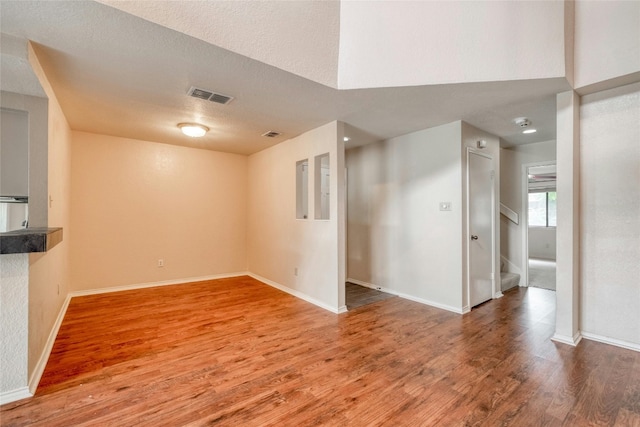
x=509 y=280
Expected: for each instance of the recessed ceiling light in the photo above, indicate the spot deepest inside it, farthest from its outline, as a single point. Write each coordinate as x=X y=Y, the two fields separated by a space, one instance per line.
x=346 y=139
x=529 y=131
x=193 y=130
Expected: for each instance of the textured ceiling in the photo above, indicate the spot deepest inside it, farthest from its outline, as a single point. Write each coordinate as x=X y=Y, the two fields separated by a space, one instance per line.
x=299 y=36
x=118 y=74
x=16 y=74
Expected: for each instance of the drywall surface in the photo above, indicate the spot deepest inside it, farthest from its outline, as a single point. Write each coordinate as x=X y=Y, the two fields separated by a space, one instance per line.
x=607 y=40
x=511 y=187
x=49 y=272
x=299 y=37
x=385 y=44
x=14 y=297
x=137 y=202
x=301 y=254
x=542 y=242
x=610 y=213
x=397 y=238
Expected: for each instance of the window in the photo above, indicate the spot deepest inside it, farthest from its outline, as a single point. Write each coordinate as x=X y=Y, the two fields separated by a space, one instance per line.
x=542 y=209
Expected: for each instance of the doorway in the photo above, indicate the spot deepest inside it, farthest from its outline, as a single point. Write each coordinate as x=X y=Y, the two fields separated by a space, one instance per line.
x=480 y=227
x=539 y=215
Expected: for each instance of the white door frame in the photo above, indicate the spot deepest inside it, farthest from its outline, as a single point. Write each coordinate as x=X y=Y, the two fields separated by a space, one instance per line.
x=525 y=217
x=497 y=293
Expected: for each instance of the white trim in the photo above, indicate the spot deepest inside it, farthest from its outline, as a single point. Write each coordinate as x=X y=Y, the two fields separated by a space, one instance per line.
x=369 y=285
x=14 y=395
x=611 y=341
x=572 y=341
x=36 y=375
x=299 y=294
x=509 y=213
x=462 y=310
x=155 y=284
x=432 y=303
x=498 y=295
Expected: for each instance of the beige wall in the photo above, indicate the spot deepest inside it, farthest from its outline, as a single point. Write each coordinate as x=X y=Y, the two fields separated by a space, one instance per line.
x=610 y=214
x=279 y=243
x=49 y=272
x=135 y=202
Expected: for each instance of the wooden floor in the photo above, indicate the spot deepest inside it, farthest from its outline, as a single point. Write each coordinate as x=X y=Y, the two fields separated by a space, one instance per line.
x=357 y=296
x=240 y=353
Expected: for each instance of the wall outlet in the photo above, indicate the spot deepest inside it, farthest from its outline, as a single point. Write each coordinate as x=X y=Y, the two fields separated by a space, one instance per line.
x=445 y=206
x=160 y=263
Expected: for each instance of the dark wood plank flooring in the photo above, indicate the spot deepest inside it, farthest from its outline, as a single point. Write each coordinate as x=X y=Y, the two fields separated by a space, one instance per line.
x=357 y=296
x=237 y=352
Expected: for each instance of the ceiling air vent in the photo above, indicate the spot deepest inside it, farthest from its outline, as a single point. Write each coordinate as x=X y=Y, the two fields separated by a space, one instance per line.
x=271 y=134
x=209 y=95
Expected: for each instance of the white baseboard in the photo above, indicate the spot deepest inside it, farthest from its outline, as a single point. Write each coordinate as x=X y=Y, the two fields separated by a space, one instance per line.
x=36 y=375
x=566 y=339
x=432 y=303
x=409 y=297
x=611 y=341
x=155 y=284
x=299 y=294
x=370 y=285
x=14 y=395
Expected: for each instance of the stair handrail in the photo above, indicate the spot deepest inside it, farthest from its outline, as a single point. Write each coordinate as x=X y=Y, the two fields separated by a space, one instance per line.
x=509 y=213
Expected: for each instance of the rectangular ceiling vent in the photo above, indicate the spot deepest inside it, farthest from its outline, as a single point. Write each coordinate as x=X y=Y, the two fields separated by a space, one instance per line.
x=271 y=134
x=209 y=95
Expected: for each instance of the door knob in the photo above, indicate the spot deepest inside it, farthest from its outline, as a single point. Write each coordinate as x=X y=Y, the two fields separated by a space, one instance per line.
x=474 y=237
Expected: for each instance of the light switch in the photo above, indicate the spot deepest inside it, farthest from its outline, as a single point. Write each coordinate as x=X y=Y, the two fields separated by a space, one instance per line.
x=445 y=206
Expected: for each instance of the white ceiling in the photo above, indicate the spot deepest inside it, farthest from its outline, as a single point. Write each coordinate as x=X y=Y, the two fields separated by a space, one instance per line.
x=118 y=74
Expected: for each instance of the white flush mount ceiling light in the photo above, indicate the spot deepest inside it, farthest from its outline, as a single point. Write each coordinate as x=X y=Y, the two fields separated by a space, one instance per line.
x=193 y=130
x=525 y=125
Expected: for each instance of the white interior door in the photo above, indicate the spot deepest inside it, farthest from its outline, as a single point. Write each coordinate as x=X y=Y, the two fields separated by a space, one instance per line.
x=481 y=223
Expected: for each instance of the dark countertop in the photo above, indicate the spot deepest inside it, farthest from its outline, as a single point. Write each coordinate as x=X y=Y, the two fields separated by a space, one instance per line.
x=39 y=239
